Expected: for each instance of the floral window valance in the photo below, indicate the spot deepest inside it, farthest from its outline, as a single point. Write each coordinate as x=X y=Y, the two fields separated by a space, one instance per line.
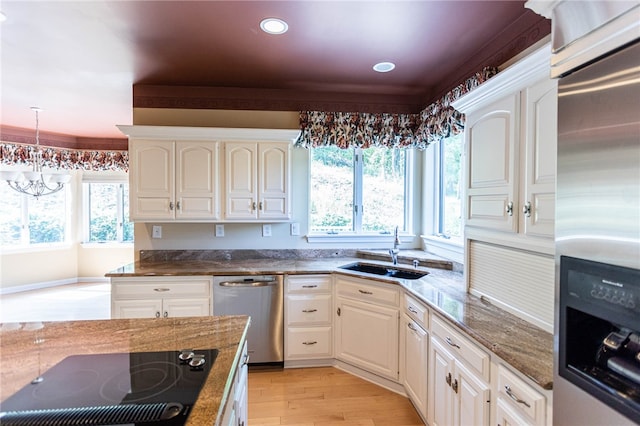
x=70 y=159
x=364 y=130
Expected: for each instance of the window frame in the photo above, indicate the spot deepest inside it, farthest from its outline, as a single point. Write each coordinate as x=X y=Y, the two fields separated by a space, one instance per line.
x=25 y=235
x=356 y=234
x=433 y=204
x=88 y=178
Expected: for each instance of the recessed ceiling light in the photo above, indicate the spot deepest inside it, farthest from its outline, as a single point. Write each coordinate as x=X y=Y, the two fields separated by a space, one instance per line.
x=3 y=17
x=274 y=26
x=384 y=66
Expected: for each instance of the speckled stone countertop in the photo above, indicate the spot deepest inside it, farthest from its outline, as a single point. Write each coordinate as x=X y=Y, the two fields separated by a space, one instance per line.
x=524 y=346
x=29 y=349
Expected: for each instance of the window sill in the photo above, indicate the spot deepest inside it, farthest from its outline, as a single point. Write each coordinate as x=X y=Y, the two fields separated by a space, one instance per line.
x=36 y=248
x=113 y=245
x=447 y=248
x=356 y=238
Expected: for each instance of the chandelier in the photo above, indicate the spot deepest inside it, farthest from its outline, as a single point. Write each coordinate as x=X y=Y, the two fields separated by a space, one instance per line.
x=35 y=183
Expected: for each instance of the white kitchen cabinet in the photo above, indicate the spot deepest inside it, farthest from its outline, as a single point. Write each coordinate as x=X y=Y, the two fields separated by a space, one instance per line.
x=518 y=402
x=459 y=391
x=236 y=408
x=510 y=138
x=308 y=318
x=173 y=180
x=366 y=325
x=414 y=352
x=160 y=297
x=257 y=181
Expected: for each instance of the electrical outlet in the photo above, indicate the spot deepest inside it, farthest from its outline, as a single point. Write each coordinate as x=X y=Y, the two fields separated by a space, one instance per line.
x=156 y=231
x=219 y=230
x=266 y=230
x=295 y=228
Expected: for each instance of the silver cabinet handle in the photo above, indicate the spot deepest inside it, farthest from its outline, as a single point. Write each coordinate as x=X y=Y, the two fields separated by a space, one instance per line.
x=306 y=311
x=454 y=385
x=170 y=205
x=450 y=342
x=411 y=326
x=365 y=292
x=310 y=286
x=178 y=205
x=158 y=314
x=447 y=379
x=166 y=314
x=253 y=205
x=412 y=310
x=260 y=206
x=515 y=397
x=526 y=209
x=509 y=208
x=161 y=289
x=309 y=343
x=247 y=283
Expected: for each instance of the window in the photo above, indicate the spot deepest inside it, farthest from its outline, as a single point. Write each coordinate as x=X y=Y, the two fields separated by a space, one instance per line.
x=107 y=212
x=450 y=187
x=26 y=220
x=359 y=191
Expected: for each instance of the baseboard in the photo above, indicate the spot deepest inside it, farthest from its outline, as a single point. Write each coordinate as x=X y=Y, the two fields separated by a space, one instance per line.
x=49 y=284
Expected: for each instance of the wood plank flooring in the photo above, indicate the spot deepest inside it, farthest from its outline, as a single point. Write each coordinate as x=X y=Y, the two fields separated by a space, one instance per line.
x=324 y=396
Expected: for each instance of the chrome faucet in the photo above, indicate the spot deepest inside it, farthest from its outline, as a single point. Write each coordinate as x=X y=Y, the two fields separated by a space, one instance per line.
x=395 y=250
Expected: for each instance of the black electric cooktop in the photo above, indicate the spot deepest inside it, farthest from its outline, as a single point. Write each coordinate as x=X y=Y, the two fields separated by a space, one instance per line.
x=138 y=388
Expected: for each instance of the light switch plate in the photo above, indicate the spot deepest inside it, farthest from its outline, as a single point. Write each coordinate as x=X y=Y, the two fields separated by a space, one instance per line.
x=156 y=231
x=266 y=230
x=295 y=228
x=219 y=230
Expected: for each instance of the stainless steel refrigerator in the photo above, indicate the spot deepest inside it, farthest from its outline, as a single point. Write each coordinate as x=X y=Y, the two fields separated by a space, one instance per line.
x=597 y=336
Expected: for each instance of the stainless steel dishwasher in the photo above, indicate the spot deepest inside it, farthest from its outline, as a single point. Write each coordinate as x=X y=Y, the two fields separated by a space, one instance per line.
x=261 y=297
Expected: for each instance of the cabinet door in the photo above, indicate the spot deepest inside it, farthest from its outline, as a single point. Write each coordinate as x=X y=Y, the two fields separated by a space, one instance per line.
x=472 y=398
x=367 y=337
x=491 y=147
x=540 y=103
x=241 y=181
x=151 y=179
x=197 y=180
x=186 y=308
x=150 y=308
x=416 y=345
x=273 y=166
x=440 y=396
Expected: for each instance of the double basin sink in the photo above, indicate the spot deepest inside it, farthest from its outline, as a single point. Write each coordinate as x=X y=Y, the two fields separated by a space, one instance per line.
x=385 y=271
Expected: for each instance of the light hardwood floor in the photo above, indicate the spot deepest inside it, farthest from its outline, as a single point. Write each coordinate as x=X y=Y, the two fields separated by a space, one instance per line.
x=322 y=396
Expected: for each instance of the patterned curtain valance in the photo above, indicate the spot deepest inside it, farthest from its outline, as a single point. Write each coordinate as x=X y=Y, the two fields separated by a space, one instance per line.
x=70 y=159
x=364 y=130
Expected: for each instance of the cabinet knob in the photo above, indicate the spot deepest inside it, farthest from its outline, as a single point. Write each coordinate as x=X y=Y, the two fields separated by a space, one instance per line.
x=157 y=314
x=178 y=205
x=509 y=208
x=454 y=385
x=170 y=205
x=253 y=206
x=166 y=314
x=526 y=209
x=260 y=206
x=447 y=379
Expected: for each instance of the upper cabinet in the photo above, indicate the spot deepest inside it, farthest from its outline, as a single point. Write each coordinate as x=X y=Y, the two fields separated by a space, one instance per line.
x=257 y=181
x=177 y=174
x=173 y=180
x=510 y=138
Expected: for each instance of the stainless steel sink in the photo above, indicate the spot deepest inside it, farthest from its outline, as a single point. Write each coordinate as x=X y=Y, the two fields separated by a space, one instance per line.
x=382 y=270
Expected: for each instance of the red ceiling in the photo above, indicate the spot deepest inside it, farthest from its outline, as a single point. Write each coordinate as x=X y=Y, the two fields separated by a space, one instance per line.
x=80 y=60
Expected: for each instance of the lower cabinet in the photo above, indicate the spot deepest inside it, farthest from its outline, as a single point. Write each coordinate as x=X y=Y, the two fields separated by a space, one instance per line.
x=236 y=408
x=415 y=356
x=518 y=403
x=160 y=297
x=308 y=315
x=366 y=326
x=459 y=376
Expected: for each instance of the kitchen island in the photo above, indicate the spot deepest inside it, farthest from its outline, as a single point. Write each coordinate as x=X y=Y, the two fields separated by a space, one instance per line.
x=28 y=350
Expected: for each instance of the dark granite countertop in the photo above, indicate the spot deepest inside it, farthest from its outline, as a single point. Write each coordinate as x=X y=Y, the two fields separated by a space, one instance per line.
x=522 y=345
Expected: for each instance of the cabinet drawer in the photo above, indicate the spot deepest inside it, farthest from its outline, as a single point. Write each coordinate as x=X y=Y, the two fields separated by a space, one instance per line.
x=309 y=284
x=369 y=293
x=308 y=342
x=416 y=311
x=463 y=349
x=309 y=309
x=161 y=287
x=521 y=395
